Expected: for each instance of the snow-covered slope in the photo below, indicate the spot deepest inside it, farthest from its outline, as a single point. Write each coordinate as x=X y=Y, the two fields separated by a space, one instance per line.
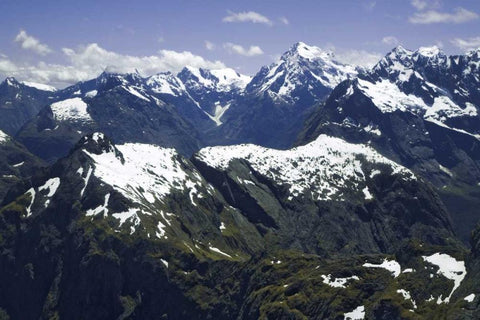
x=166 y=83
x=428 y=83
x=143 y=171
x=324 y=168
x=74 y=109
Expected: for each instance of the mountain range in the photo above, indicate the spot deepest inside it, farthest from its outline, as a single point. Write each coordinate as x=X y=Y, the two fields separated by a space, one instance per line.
x=311 y=190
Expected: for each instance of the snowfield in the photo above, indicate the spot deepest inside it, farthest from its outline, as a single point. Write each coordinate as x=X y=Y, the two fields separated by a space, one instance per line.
x=324 y=167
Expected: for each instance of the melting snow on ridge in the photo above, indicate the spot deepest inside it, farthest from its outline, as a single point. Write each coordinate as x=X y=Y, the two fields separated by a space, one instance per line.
x=357 y=314
x=325 y=166
x=337 y=282
x=392 y=266
x=70 y=109
x=450 y=268
x=149 y=172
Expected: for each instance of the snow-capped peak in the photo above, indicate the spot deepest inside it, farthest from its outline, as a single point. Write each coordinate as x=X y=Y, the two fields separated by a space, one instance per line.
x=474 y=53
x=166 y=83
x=302 y=68
x=220 y=80
x=400 y=52
x=308 y=52
x=12 y=82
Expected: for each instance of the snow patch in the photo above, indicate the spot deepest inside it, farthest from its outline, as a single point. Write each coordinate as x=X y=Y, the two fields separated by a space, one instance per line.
x=357 y=314
x=392 y=266
x=30 y=191
x=102 y=208
x=337 y=282
x=470 y=297
x=4 y=137
x=448 y=267
x=219 y=251
x=91 y=94
x=71 y=109
x=51 y=185
x=407 y=296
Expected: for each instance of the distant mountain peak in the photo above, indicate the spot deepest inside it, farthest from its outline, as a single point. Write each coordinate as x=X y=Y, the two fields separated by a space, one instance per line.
x=221 y=80
x=11 y=81
x=302 y=72
x=301 y=49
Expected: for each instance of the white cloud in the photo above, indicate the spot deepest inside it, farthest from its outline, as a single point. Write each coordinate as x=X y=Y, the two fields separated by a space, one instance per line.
x=466 y=44
x=390 y=40
x=358 y=57
x=459 y=15
x=369 y=6
x=28 y=42
x=284 y=21
x=89 y=61
x=247 y=16
x=419 y=4
x=238 y=49
x=209 y=45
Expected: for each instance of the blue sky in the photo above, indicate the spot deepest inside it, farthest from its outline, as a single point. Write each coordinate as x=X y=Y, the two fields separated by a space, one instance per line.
x=60 y=42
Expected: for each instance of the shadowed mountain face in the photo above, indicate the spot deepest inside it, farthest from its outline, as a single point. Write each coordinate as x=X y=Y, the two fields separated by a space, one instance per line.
x=20 y=102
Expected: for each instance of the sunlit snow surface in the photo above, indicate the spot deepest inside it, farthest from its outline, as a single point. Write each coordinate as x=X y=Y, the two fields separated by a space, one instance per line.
x=325 y=166
x=337 y=282
x=357 y=314
x=71 y=109
x=148 y=173
x=390 y=265
x=450 y=268
x=39 y=86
